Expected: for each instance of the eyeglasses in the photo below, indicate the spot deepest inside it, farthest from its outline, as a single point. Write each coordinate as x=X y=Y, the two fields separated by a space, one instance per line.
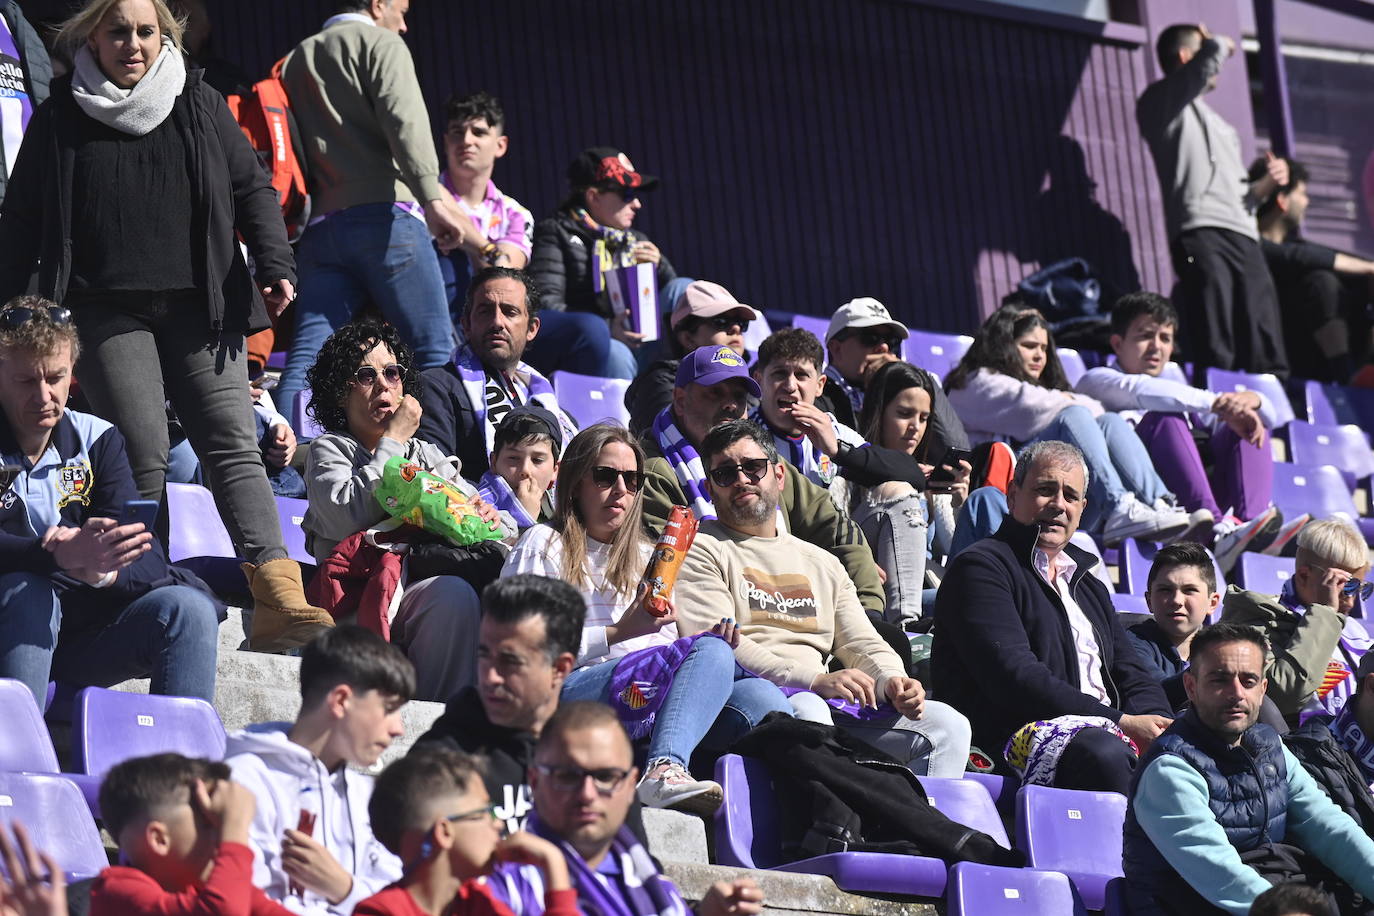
x=570 y=779
x=605 y=478
x=12 y=318
x=366 y=376
x=480 y=815
x=728 y=323
x=1352 y=586
x=871 y=338
x=727 y=474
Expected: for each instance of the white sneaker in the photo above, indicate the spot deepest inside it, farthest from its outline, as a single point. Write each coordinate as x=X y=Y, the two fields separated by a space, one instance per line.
x=1133 y=519
x=668 y=785
x=1200 y=521
x=1286 y=534
x=1234 y=537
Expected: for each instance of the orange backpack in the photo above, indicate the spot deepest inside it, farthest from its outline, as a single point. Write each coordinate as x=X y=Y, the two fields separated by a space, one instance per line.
x=264 y=114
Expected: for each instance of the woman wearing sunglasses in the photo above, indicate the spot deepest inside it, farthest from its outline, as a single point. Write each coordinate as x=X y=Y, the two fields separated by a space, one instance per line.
x=573 y=256
x=596 y=542
x=1315 y=639
x=358 y=393
x=128 y=196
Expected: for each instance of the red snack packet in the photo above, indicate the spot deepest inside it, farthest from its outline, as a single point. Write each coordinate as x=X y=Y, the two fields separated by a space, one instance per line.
x=678 y=534
x=305 y=825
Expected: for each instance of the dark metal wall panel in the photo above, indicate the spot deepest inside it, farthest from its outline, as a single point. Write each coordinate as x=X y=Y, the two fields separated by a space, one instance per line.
x=811 y=150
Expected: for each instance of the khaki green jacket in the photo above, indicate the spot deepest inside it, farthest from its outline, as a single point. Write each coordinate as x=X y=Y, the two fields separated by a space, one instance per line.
x=1300 y=645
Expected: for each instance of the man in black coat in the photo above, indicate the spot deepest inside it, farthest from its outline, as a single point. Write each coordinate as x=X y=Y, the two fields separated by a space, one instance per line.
x=1025 y=632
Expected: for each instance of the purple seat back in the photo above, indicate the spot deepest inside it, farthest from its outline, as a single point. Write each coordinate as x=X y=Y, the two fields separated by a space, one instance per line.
x=1265 y=574
x=1345 y=447
x=195 y=526
x=52 y=809
x=1319 y=407
x=1073 y=364
x=1319 y=490
x=1077 y=833
x=747 y=820
x=305 y=425
x=935 y=352
x=1001 y=789
x=1222 y=381
x=987 y=890
x=1129 y=604
x=112 y=726
x=24 y=742
x=817 y=326
x=290 y=513
x=591 y=399
x=967 y=802
x=1136 y=558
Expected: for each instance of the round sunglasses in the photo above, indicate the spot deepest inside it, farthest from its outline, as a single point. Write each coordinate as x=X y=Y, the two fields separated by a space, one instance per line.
x=367 y=376
x=605 y=477
x=727 y=474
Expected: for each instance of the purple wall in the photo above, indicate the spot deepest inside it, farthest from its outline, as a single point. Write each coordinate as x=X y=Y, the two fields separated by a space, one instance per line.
x=926 y=153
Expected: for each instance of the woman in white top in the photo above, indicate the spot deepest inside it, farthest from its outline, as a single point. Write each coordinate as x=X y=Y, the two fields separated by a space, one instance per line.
x=597 y=543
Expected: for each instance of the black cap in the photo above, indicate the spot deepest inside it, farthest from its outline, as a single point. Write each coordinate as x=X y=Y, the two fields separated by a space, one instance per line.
x=536 y=420
x=607 y=168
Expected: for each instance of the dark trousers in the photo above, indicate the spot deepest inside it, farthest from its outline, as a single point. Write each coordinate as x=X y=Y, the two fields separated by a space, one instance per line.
x=1096 y=760
x=1325 y=324
x=1227 y=303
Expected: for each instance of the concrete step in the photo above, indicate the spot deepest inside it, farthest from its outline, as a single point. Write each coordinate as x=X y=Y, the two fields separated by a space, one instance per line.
x=786 y=893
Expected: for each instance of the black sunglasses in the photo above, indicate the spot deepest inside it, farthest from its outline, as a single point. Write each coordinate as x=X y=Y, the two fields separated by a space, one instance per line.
x=394 y=374
x=570 y=779
x=728 y=322
x=605 y=478
x=12 y=318
x=871 y=338
x=727 y=474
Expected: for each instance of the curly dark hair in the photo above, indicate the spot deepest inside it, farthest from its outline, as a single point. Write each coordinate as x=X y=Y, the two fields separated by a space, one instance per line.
x=331 y=376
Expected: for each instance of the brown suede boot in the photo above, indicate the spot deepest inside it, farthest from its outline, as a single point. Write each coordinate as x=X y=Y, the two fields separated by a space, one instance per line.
x=282 y=618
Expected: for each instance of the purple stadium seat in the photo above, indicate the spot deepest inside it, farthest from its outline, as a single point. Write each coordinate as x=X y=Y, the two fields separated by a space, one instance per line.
x=747 y=837
x=1320 y=409
x=935 y=352
x=1002 y=790
x=1345 y=447
x=967 y=802
x=986 y=890
x=304 y=424
x=110 y=726
x=1321 y=491
x=1077 y=833
x=591 y=399
x=290 y=513
x=1336 y=405
x=1222 y=381
x=817 y=326
x=1136 y=557
x=50 y=807
x=277 y=359
x=198 y=540
x=1129 y=604
x=1264 y=574
x=24 y=743
x=1073 y=364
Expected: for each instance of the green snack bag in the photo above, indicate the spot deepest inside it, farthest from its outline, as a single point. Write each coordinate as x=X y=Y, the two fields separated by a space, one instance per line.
x=413 y=495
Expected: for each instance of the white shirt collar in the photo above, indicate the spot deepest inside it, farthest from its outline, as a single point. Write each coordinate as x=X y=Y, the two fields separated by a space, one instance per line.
x=349 y=17
x=1064 y=565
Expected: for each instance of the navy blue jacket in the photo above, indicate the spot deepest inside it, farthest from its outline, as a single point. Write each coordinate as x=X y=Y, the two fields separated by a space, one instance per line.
x=90 y=479
x=1003 y=653
x=1162 y=658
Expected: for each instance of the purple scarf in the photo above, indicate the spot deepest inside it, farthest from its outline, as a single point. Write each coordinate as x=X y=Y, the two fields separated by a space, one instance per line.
x=642 y=679
x=645 y=891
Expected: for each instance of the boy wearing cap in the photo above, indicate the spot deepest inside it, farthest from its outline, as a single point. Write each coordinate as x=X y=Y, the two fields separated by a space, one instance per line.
x=861 y=338
x=577 y=248
x=706 y=315
x=524 y=463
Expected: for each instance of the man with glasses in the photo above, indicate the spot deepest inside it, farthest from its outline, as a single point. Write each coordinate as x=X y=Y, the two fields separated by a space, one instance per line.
x=465 y=399
x=795 y=608
x=583 y=781
x=1316 y=641
x=86 y=596
x=713 y=385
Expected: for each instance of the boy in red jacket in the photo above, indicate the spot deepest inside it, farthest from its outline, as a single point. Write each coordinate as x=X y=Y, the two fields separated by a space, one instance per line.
x=182 y=826
x=431 y=809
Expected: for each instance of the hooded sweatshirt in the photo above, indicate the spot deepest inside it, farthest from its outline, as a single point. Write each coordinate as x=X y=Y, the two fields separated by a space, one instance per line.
x=287 y=779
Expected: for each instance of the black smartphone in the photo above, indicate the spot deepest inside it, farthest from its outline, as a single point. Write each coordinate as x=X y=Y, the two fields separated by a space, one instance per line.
x=8 y=473
x=139 y=510
x=945 y=473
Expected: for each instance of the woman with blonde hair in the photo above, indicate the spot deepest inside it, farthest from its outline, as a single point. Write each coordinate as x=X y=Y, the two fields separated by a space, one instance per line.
x=596 y=542
x=129 y=194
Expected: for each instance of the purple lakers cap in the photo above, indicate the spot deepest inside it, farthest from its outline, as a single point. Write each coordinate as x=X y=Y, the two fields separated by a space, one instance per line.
x=712 y=365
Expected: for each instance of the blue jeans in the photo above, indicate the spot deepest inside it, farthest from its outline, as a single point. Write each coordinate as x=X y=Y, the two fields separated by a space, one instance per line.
x=1117 y=461
x=705 y=704
x=170 y=633
x=369 y=253
x=579 y=342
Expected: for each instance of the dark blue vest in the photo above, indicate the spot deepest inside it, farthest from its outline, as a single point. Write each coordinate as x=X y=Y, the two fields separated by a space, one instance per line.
x=1247 y=788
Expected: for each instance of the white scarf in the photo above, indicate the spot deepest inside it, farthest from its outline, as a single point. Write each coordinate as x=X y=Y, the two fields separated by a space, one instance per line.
x=135 y=111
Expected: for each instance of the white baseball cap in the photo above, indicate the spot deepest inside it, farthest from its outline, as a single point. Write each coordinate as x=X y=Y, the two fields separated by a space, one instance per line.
x=865 y=312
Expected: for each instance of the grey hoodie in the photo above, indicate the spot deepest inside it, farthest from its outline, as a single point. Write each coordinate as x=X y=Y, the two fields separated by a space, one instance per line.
x=287 y=779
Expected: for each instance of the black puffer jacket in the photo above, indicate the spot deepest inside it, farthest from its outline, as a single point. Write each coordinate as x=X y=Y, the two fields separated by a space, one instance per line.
x=561 y=264
x=229 y=192
x=1323 y=757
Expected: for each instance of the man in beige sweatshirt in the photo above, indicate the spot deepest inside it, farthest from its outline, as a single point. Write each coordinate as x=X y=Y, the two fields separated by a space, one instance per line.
x=795 y=607
x=375 y=197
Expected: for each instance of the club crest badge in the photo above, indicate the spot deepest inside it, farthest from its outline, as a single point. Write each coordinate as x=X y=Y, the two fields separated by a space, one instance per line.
x=74 y=484
x=638 y=694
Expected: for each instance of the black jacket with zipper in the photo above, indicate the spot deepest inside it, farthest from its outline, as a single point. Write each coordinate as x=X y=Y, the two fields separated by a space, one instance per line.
x=229 y=192
x=1004 y=654
x=561 y=265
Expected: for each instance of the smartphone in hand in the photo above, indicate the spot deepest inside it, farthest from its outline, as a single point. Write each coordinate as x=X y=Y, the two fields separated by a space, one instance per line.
x=139 y=510
x=949 y=466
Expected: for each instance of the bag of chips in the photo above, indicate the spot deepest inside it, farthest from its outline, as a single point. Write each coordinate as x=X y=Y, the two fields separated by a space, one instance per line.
x=410 y=493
